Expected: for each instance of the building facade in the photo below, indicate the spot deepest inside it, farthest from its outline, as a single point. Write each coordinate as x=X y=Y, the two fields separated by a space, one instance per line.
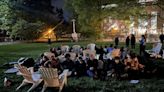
x=152 y=25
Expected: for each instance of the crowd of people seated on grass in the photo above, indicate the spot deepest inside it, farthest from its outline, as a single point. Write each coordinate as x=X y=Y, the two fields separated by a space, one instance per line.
x=97 y=62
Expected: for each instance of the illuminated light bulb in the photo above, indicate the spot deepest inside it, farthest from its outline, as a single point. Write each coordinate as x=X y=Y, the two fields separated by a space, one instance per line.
x=49 y=31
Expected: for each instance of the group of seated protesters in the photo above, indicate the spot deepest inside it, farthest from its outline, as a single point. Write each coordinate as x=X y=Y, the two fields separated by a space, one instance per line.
x=118 y=61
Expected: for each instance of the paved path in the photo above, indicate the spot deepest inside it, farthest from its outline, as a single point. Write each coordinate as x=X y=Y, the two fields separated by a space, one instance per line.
x=7 y=43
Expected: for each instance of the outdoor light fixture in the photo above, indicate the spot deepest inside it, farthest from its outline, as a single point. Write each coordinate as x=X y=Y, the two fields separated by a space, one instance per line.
x=49 y=31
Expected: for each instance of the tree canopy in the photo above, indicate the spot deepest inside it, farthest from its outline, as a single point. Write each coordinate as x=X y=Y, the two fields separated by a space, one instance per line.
x=27 y=18
x=6 y=15
x=90 y=13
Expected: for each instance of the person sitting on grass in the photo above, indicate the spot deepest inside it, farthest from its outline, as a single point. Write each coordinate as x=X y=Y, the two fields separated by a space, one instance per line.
x=115 y=52
x=133 y=67
x=53 y=63
x=80 y=67
x=100 y=70
x=54 y=51
x=110 y=48
x=117 y=68
x=150 y=64
x=123 y=53
x=92 y=65
x=38 y=62
x=43 y=61
x=69 y=64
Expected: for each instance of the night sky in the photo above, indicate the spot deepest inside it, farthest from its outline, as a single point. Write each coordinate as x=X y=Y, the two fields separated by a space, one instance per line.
x=60 y=4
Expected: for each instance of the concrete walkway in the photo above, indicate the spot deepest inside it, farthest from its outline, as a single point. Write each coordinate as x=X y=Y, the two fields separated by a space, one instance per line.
x=8 y=43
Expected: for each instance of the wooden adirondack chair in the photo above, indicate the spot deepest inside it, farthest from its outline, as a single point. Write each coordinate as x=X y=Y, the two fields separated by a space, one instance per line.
x=64 y=49
x=89 y=53
x=51 y=78
x=76 y=49
x=91 y=46
x=154 y=52
x=25 y=72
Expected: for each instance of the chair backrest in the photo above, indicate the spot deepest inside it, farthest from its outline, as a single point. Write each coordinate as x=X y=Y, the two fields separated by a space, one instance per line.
x=157 y=48
x=88 y=53
x=64 y=48
x=61 y=58
x=50 y=76
x=25 y=72
x=76 y=48
x=49 y=55
x=91 y=46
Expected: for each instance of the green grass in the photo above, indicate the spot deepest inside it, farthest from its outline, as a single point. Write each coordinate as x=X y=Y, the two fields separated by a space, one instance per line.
x=14 y=52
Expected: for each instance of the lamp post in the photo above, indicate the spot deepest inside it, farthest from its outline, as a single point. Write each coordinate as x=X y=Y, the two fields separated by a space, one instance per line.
x=74 y=34
x=51 y=30
x=73 y=21
x=49 y=36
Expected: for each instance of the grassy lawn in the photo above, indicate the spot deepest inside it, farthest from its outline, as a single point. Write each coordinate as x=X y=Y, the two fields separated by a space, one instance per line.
x=14 y=52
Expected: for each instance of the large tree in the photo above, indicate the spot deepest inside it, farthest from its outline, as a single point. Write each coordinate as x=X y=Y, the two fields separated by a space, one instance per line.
x=6 y=15
x=26 y=30
x=42 y=10
x=90 y=13
x=26 y=18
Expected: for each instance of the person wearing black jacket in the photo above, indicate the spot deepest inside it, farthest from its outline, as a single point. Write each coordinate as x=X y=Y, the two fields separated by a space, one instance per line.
x=117 y=68
x=116 y=41
x=68 y=64
x=161 y=37
x=127 y=41
x=80 y=67
x=92 y=65
x=133 y=41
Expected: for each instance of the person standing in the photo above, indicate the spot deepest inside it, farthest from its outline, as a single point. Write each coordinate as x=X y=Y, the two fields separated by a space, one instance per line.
x=161 y=37
x=116 y=41
x=127 y=41
x=142 y=44
x=49 y=41
x=133 y=41
x=146 y=35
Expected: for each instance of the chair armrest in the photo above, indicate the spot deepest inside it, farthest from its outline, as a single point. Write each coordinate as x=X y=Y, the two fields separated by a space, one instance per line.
x=64 y=77
x=31 y=69
x=25 y=75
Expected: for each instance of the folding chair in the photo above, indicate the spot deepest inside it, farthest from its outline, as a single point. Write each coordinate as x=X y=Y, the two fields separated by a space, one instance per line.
x=91 y=46
x=64 y=49
x=27 y=78
x=51 y=79
x=154 y=52
x=76 y=49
